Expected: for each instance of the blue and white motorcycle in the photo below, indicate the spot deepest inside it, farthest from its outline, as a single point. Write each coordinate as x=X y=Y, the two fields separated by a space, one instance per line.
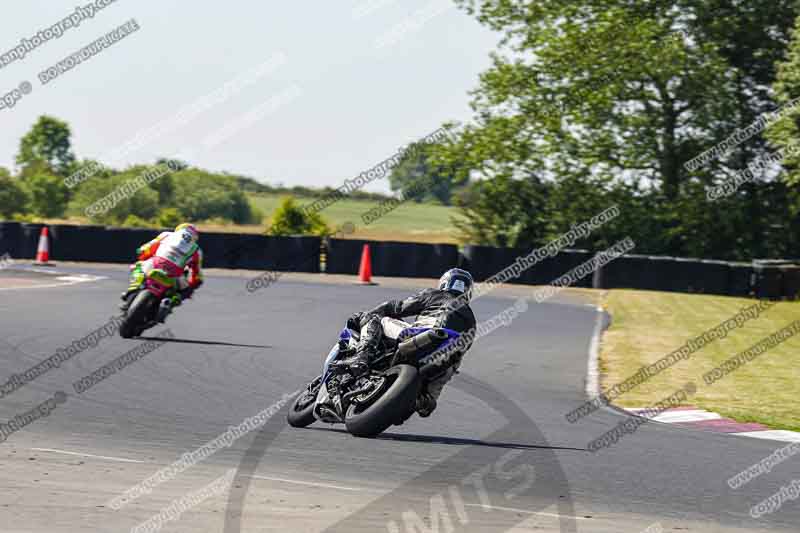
x=385 y=396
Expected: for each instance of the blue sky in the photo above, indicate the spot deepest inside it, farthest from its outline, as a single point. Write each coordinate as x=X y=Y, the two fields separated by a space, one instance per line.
x=355 y=80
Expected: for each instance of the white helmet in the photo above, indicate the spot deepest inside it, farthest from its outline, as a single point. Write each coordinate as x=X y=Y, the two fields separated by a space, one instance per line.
x=188 y=233
x=457 y=280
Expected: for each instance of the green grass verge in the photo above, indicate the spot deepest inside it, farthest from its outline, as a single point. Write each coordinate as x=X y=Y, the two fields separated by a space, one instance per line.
x=410 y=221
x=648 y=325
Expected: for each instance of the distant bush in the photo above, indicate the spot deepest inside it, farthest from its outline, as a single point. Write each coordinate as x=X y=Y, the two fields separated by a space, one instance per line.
x=290 y=219
x=143 y=204
x=200 y=195
x=48 y=195
x=13 y=198
x=132 y=221
x=169 y=217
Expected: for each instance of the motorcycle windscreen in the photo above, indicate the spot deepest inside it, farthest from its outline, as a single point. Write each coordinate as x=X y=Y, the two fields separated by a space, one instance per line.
x=331 y=356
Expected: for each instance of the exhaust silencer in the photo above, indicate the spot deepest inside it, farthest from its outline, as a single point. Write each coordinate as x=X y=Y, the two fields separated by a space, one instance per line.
x=427 y=339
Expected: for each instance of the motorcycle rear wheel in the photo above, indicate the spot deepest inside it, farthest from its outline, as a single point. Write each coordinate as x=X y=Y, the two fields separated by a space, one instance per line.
x=136 y=316
x=393 y=406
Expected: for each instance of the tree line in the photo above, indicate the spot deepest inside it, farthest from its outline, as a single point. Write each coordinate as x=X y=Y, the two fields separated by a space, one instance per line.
x=45 y=160
x=592 y=103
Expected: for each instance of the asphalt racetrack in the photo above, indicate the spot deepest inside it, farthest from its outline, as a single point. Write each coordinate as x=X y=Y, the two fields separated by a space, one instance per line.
x=498 y=454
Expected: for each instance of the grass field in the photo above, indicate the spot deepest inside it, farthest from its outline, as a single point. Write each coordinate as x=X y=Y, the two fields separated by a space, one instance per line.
x=649 y=325
x=410 y=221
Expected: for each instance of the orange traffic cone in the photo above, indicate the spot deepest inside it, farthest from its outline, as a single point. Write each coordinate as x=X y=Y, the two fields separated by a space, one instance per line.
x=43 y=251
x=365 y=270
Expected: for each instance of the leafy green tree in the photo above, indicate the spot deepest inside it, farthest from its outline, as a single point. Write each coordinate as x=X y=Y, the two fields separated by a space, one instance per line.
x=785 y=132
x=92 y=168
x=48 y=144
x=290 y=219
x=626 y=93
x=521 y=223
x=132 y=221
x=201 y=195
x=13 y=198
x=173 y=163
x=164 y=185
x=169 y=217
x=418 y=166
x=48 y=195
x=143 y=203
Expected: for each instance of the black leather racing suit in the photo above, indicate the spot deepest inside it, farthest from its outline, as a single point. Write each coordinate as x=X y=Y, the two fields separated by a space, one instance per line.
x=433 y=308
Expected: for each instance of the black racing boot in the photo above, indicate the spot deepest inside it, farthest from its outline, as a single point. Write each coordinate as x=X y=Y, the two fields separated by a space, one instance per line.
x=367 y=349
x=125 y=297
x=426 y=404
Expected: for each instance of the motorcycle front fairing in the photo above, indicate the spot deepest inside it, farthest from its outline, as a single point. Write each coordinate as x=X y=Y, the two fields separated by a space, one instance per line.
x=323 y=397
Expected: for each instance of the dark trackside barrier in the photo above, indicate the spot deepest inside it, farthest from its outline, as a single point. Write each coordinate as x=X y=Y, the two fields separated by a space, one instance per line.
x=741 y=279
x=10 y=238
x=777 y=278
x=397 y=259
x=768 y=281
x=104 y=244
x=483 y=262
x=261 y=252
x=676 y=274
x=29 y=240
x=96 y=243
x=632 y=271
x=791 y=283
x=772 y=279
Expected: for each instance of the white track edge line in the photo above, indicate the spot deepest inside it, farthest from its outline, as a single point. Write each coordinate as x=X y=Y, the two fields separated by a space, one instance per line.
x=80 y=454
x=593 y=365
x=512 y=509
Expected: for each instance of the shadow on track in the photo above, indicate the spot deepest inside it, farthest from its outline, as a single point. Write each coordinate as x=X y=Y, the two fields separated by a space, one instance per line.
x=412 y=500
x=454 y=441
x=210 y=343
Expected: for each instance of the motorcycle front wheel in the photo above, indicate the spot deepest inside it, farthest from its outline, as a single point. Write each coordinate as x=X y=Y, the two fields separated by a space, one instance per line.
x=301 y=412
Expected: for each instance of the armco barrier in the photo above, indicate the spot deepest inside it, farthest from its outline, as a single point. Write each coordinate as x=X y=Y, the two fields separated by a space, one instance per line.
x=634 y=271
x=773 y=279
x=777 y=278
x=769 y=281
x=118 y=245
x=676 y=274
x=29 y=240
x=741 y=279
x=715 y=276
x=10 y=238
x=486 y=261
x=399 y=259
x=261 y=252
x=791 y=283
x=94 y=243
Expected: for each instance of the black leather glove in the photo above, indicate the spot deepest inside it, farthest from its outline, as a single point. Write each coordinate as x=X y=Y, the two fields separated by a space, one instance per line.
x=354 y=322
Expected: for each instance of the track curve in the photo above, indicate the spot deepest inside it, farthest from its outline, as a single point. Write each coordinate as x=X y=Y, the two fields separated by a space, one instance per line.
x=498 y=453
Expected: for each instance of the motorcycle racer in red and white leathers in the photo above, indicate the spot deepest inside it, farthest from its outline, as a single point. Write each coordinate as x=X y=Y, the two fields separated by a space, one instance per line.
x=174 y=252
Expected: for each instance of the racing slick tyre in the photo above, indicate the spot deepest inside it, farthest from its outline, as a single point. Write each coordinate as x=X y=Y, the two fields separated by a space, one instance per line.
x=392 y=404
x=136 y=316
x=301 y=412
